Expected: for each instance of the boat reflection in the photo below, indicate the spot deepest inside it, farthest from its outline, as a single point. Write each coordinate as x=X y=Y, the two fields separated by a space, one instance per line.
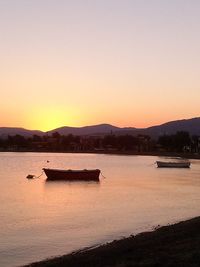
x=71 y=182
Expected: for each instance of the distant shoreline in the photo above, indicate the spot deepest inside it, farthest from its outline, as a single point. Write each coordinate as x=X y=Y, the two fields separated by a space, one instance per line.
x=172 y=245
x=123 y=153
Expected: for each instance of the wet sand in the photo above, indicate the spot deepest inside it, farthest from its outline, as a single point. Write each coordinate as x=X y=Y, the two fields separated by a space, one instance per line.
x=167 y=246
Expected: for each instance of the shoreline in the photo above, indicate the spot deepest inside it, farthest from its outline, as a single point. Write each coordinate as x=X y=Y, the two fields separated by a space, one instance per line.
x=167 y=246
x=117 y=153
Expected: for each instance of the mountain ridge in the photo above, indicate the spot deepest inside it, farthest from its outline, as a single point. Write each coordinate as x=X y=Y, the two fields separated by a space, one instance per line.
x=5 y=131
x=190 y=125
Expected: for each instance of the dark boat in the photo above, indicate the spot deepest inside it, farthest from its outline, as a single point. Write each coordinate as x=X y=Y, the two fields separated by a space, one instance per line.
x=163 y=164
x=72 y=175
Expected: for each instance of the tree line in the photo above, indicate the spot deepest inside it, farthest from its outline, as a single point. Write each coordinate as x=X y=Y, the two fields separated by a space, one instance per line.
x=179 y=142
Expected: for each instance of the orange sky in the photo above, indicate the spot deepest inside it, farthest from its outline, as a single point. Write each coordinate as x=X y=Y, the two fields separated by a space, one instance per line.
x=76 y=63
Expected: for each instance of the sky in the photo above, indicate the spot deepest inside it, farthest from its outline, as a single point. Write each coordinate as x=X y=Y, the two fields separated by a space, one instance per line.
x=84 y=62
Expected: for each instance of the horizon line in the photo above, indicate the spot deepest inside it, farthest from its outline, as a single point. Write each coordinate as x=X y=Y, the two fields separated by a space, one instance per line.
x=121 y=127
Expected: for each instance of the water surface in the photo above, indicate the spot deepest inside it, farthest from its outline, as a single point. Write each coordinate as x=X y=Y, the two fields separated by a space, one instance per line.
x=40 y=219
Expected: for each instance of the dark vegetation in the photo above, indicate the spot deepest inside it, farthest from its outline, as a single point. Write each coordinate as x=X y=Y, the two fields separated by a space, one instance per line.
x=181 y=142
x=170 y=246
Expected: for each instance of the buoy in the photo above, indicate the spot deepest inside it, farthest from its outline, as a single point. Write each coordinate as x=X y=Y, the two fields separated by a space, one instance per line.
x=30 y=176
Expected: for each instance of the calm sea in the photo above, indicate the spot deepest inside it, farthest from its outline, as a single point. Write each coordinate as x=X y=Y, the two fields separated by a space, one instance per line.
x=40 y=219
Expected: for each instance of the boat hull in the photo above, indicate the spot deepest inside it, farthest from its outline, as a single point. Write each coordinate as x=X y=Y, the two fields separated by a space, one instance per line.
x=72 y=175
x=161 y=164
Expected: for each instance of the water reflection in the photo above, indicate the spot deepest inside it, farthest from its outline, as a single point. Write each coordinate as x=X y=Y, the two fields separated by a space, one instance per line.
x=65 y=183
x=47 y=181
x=42 y=218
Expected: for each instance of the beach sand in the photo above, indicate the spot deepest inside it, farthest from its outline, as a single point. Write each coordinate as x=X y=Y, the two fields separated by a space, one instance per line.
x=167 y=246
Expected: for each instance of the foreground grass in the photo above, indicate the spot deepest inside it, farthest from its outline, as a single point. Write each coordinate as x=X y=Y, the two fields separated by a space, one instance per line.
x=168 y=246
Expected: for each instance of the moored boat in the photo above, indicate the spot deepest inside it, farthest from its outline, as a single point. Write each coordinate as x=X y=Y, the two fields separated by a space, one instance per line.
x=173 y=164
x=72 y=175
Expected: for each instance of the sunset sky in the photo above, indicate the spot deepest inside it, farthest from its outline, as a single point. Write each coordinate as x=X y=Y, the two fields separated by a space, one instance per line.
x=83 y=62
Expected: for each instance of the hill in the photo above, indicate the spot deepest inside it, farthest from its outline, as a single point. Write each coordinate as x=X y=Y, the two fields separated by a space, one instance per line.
x=5 y=131
x=190 y=125
x=100 y=129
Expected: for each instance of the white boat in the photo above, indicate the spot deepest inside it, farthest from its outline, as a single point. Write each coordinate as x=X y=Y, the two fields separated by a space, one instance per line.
x=173 y=164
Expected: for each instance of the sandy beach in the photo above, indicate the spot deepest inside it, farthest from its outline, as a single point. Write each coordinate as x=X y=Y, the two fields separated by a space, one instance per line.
x=170 y=246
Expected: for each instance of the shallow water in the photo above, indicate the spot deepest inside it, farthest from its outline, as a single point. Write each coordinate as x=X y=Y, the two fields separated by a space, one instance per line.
x=40 y=219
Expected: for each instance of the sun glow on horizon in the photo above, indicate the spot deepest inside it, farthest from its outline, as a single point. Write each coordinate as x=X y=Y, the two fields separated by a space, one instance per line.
x=49 y=119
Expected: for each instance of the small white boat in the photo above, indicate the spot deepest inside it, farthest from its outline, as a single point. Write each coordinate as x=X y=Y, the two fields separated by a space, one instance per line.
x=173 y=164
